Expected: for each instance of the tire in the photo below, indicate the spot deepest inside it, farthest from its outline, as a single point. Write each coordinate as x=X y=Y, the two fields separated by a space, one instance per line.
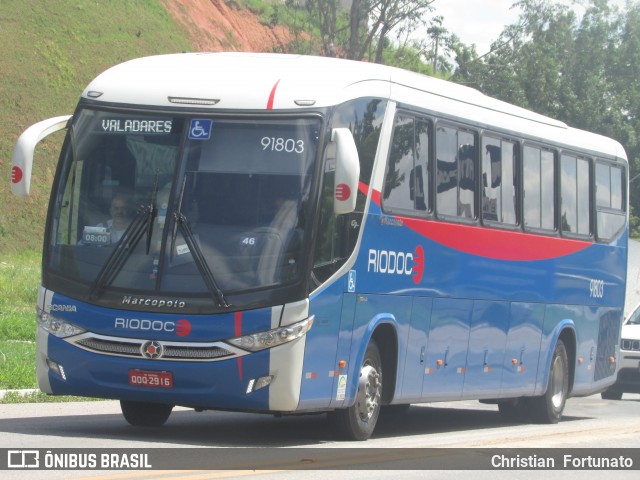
x=548 y=408
x=611 y=395
x=142 y=414
x=359 y=420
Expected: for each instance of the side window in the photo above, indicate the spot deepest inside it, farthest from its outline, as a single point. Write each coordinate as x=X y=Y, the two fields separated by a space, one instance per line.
x=455 y=172
x=574 y=190
x=407 y=180
x=538 y=166
x=499 y=180
x=337 y=234
x=610 y=194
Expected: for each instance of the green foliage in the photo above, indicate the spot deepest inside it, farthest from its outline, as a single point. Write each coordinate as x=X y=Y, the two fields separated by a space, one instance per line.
x=582 y=70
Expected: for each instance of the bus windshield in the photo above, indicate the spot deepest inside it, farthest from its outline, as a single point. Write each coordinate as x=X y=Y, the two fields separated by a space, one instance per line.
x=161 y=204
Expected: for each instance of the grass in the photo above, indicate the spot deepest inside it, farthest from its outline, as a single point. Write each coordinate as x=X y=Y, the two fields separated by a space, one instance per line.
x=39 y=397
x=19 y=279
x=17 y=365
x=53 y=48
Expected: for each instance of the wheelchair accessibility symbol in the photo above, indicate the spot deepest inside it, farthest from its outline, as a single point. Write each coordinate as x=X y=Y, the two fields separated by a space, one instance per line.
x=351 y=286
x=200 y=129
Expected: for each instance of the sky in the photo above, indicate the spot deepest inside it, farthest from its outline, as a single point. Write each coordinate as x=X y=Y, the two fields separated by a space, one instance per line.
x=480 y=22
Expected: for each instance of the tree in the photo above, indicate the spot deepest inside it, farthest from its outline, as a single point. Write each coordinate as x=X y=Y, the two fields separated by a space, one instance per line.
x=370 y=23
x=584 y=71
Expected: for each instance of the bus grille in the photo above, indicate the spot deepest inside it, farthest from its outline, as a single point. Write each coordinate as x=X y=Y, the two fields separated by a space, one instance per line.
x=608 y=336
x=627 y=344
x=175 y=351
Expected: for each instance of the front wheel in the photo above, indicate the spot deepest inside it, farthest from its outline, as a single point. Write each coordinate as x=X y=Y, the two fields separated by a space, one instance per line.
x=548 y=408
x=358 y=421
x=142 y=414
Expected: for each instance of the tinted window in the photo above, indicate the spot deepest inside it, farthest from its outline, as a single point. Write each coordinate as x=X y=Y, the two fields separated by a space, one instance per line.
x=499 y=180
x=337 y=234
x=407 y=179
x=610 y=216
x=575 y=195
x=455 y=170
x=539 y=188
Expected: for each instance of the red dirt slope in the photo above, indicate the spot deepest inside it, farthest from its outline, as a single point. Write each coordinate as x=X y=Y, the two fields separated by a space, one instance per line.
x=215 y=26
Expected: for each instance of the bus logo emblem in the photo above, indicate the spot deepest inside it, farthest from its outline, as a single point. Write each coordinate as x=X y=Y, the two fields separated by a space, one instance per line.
x=200 y=129
x=152 y=349
x=16 y=174
x=400 y=263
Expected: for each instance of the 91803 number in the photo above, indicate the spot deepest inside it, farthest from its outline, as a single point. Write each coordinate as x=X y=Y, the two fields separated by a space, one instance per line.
x=279 y=144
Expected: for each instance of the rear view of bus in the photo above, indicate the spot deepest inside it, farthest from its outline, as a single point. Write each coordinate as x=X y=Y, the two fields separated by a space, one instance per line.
x=286 y=234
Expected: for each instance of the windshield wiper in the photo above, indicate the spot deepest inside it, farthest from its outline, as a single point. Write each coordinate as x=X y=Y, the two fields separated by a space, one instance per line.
x=203 y=267
x=127 y=244
x=141 y=223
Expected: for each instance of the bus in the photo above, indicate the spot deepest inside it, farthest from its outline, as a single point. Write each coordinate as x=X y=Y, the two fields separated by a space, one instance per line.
x=315 y=235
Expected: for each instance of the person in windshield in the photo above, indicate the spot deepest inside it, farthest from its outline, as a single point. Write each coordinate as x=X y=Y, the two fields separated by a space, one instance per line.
x=121 y=213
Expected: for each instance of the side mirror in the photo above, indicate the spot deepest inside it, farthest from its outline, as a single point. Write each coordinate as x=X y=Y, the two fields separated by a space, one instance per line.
x=342 y=152
x=22 y=160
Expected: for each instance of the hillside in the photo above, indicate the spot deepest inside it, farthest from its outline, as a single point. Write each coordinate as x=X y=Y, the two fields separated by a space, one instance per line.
x=53 y=48
x=218 y=25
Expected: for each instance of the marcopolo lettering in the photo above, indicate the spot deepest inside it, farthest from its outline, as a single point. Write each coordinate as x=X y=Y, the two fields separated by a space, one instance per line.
x=153 y=302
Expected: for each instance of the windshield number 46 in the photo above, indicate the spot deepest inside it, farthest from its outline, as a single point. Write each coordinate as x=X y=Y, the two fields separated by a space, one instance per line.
x=596 y=288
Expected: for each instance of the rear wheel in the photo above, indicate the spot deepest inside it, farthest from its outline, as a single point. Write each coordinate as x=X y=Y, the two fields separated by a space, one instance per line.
x=358 y=421
x=142 y=414
x=548 y=408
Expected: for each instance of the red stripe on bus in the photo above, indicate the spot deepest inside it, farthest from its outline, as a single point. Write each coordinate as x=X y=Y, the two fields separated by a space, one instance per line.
x=488 y=242
x=272 y=96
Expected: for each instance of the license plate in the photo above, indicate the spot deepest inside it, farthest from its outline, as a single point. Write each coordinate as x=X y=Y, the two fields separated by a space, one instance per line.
x=145 y=378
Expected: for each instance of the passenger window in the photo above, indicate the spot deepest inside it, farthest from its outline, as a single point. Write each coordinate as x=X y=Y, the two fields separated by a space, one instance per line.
x=539 y=188
x=499 y=159
x=610 y=213
x=455 y=169
x=574 y=216
x=407 y=180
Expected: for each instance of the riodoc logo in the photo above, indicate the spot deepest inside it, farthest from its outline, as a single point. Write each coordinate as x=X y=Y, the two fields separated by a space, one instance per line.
x=397 y=263
x=182 y=327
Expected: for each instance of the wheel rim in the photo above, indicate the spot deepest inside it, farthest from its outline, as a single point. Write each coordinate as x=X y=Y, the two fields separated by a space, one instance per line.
x=369 y=391
x=557 y=383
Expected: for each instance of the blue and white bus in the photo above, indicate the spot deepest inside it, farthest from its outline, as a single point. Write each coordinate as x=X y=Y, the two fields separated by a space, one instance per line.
x=302 y=234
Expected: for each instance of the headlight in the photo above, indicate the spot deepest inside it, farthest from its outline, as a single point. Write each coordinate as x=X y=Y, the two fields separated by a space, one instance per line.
x=57 y=326
x=272 y=338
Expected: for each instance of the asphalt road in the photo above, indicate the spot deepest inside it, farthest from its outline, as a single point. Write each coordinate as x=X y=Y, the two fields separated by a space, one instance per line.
x=589 y=423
